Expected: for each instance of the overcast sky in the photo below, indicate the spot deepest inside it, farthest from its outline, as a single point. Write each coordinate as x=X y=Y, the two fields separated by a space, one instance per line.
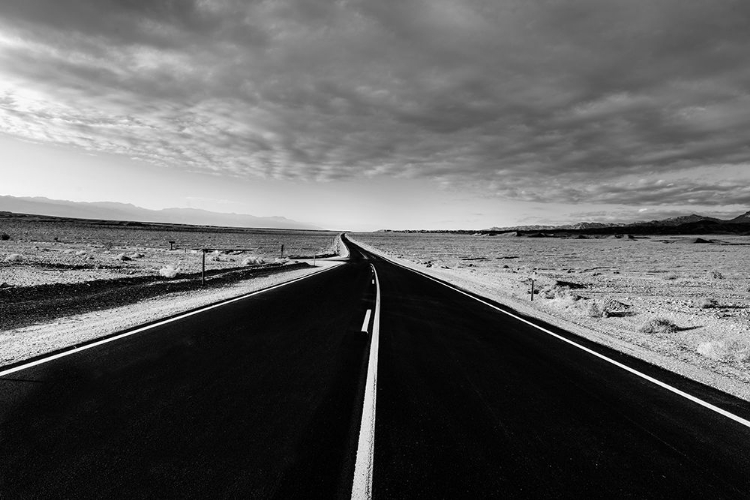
x=366 y=114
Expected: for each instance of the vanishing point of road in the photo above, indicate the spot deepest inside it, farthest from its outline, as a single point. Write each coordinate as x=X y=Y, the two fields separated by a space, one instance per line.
x=367 y=380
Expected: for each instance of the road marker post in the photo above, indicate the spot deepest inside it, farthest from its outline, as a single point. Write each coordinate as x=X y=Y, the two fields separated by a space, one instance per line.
x=203 y=268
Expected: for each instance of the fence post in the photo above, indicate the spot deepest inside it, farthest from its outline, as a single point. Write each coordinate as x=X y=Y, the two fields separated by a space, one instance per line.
x=203 y=268
x=532 y=289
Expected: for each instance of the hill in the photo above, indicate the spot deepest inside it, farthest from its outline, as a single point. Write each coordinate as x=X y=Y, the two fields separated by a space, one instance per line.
x=127 y=212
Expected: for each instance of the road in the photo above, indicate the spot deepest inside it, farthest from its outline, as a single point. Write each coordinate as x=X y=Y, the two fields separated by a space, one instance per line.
x=263 y=398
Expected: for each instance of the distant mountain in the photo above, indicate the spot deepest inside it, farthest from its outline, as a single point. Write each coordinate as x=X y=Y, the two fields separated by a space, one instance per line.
x=687 y=224
x=128 y=212
x=742 y=219
x=676 y=221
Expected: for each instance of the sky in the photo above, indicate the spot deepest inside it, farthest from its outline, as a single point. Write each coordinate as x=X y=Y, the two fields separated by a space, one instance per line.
x=373 y=114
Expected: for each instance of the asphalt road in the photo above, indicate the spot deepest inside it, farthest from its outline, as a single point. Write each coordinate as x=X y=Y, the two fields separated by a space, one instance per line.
x=262 y=398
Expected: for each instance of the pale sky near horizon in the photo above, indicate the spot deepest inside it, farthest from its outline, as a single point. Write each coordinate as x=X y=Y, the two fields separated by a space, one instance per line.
x=370 y=114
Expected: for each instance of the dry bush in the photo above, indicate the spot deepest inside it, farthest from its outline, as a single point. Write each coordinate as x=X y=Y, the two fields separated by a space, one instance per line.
x=252 y=260
x=13 y=257
x=725 y=350
x=4 y=236
x=606 y=307
x=169 y=271
x=708 y=303
x=715 y=275
x=658 y=325
x=595 y=310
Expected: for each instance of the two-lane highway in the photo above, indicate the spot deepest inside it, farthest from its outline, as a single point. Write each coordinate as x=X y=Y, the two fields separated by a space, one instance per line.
x=264 y=398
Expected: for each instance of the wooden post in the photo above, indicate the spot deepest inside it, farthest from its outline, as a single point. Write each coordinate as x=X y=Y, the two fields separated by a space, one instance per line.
x=282 y=250
x=203 y=268
x=532 y=289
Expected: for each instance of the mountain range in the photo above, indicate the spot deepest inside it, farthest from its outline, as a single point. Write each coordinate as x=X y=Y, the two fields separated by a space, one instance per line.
x=669 y=225
x=127 y=212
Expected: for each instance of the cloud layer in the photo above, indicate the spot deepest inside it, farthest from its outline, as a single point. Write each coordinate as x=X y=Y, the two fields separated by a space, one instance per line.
x=570 y=101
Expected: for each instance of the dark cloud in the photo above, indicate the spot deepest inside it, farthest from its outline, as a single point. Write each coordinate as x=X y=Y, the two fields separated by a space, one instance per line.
x=546 y=100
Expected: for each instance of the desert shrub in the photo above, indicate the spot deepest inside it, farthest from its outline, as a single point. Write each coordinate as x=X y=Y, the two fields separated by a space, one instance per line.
x=715 y=275
x=13 y=257
x=670 y=276
x=658 y=325
x=4 y=236
x=108 y=245
x=252 y=260
x=605 y=308
x=725 y=350
x=169 y=271
x=708 y=303
x=595 y=310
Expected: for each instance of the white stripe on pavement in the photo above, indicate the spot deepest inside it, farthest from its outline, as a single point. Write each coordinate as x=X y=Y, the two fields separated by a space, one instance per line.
x=362 y=485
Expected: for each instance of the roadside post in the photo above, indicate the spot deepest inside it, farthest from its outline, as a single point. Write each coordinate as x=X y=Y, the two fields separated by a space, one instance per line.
x=203 y=267
x=532 y=289
x=282 y=250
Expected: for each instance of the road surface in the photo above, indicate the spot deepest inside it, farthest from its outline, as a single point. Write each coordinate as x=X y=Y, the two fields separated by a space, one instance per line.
x=263 y=398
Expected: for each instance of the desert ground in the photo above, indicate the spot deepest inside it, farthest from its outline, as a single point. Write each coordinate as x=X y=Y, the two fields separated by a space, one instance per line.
x=60 y=277
x=43 y=250
x=681 y=298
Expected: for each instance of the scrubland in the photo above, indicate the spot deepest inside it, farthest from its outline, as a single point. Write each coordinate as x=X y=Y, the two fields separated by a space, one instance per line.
x=679 y=298
x=49 y=251
x=60 y=277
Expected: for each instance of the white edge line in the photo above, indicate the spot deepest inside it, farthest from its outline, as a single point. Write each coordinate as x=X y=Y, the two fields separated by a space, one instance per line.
x=661 y=384
x=154 y=325
x=362 y=484
x=366 y=322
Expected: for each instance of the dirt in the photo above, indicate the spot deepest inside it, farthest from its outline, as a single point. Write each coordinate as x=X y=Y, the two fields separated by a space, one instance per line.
x=64 y=281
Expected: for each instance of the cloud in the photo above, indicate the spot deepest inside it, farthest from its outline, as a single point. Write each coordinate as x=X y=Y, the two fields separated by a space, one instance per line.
x=553 y=101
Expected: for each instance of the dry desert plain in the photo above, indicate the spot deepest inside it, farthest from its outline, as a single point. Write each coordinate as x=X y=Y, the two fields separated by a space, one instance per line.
x=64 y=281
x=679 y=301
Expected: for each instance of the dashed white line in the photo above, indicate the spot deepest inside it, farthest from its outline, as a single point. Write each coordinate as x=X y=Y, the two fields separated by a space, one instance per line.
x=366 y=322
x=363 y=468
x=149 y=327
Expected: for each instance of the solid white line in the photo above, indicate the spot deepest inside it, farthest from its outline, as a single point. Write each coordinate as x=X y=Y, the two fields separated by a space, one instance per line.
x=366 y=322
x=661 y=384
x=362 y=485
x=149 y=327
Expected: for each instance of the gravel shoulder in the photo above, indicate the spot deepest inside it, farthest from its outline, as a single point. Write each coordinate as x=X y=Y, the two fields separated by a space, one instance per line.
x=673 y=351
